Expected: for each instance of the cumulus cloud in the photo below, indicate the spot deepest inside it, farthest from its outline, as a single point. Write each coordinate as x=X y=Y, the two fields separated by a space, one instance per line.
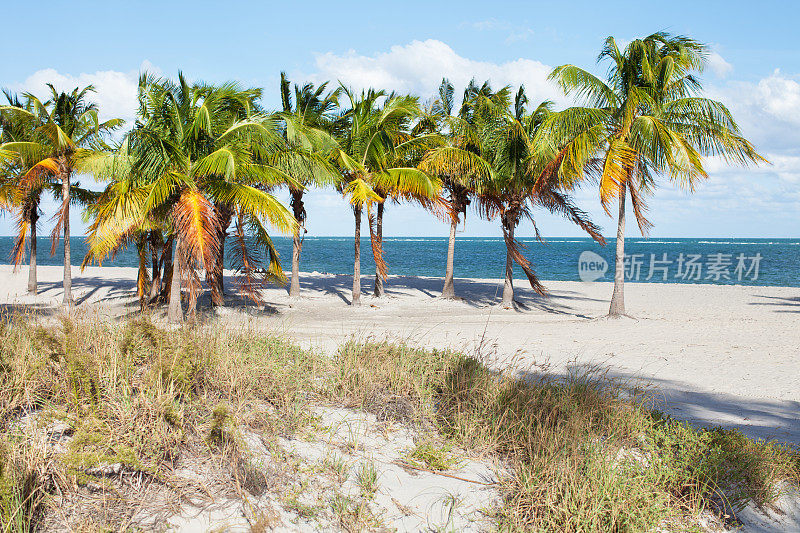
x=780 y=97
x=718 y=65
x=418 y=68
x=768 y=111
x=115 y=91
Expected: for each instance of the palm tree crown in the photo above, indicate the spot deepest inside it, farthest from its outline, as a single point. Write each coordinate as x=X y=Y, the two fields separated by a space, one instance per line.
x=529 y=170
x=199 y=157
x=373 y=156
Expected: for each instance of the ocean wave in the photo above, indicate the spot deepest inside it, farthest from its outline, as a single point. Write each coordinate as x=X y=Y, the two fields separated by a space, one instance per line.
x=551 y=241
x=744 y=243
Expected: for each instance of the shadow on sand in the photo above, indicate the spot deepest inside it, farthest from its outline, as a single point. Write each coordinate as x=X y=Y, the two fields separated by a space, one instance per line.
x=757 y=418
x=476 y=293
x=782 y=304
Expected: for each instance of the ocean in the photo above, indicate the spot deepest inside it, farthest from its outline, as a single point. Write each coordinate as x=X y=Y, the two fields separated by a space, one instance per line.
x=663 y=260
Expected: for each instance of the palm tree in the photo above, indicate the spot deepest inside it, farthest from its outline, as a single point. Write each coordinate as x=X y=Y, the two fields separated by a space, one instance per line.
x=57 y=138
x=403 y=183
x=653 y=121
x=528 y=154
x=374 y=142
x=24 y=206
x=193 y=166
x=309 y=121
x=457 y=160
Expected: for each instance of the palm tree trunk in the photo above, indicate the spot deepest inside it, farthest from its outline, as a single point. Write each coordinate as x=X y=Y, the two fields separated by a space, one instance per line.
x=297 y=244
x=449 y=290
x=617 y=307
x=357 y=263
x=32 y=283
x=166 y=283
x=155 y=286
x=175 y=310
x=294 y=286
x=508 y=284
x=216 y=277
x=218 y=293
x=67 y=255
x=141 y=280
x=379 y=236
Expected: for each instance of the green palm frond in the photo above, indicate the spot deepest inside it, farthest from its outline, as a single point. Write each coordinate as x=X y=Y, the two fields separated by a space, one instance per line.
x=360 y=193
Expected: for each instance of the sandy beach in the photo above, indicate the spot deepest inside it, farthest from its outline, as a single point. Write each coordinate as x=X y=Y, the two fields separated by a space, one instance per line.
x=712 y=354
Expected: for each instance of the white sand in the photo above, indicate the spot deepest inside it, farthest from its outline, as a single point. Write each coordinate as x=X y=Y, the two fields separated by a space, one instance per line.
x=717 y=354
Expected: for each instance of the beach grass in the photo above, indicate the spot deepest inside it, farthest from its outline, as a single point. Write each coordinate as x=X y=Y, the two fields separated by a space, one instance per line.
x=576 y=452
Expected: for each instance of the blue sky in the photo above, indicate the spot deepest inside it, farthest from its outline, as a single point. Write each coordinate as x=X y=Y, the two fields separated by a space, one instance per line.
x=409 y=46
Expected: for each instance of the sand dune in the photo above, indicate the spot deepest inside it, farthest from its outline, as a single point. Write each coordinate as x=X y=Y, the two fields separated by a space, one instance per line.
x=713 y=354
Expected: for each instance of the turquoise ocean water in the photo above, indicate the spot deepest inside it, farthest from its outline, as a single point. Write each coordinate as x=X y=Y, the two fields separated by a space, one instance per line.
x=702 y=260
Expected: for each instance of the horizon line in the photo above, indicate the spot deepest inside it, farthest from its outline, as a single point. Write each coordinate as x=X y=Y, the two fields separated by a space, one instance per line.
x=545 y=239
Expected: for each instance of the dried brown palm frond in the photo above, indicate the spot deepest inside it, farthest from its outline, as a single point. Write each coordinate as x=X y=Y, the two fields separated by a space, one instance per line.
x=194 y=220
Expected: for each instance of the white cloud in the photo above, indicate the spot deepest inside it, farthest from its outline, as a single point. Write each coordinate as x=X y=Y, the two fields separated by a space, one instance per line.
x=515 y=33
x=115 y=91
x=419 y=66
x=767 y=111
x=718 y=65
x=780 y=97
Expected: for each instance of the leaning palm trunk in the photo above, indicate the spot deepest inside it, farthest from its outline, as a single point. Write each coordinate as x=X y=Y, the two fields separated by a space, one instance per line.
x=67 y=256
x=32 y=283
x=357 y=263
x=508 y=284
x=617 y=307
x=297 y=242
x=379 y=238
x=175 y=310
x=449 y=290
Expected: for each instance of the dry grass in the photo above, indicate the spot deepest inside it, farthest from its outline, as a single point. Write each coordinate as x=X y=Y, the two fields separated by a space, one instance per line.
x=583 y=455
x=145 y=400
x=142 y=402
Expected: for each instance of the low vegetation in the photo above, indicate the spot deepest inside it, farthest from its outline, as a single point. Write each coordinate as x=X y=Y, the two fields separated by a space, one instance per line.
x=578 y=453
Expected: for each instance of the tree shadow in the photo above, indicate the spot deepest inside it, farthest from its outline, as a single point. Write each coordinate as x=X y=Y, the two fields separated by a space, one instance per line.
x=473 y=292
x=785 y=304
x=758 y=418
x=87 y=286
